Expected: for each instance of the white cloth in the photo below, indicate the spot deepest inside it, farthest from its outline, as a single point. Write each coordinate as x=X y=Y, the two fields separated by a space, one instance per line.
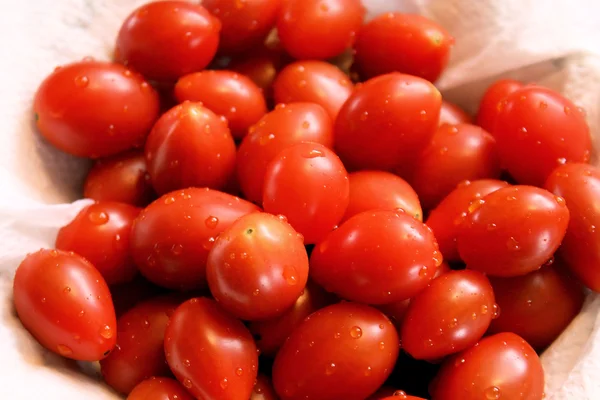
x=552 y=42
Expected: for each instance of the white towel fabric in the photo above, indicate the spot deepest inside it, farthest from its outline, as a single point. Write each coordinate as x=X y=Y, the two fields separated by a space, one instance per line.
x=552 y=42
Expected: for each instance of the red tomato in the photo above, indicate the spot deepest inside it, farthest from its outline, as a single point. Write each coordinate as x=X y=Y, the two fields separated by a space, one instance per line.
x=63 y=301
x=490 y=105
x=263 y=390
x=537 y=306
x=123 y=178
x=453 y=115
x=376 y=257
x=139 y=353
x=171 y=238
x=446 y=219
x=167 y=39
x=190 y=146
x=449 y=316
x=456 y=153
x=100 y=233
x=380 y=190
x=159 y=389
x=245 y=23
x=261 y=67
x=199 y=334
x=387 y=121
x=512 y=231
x=308 y=184
x=407 y=43
x=281 y=128
x=313 y=81
x=95 y=109
x=258 y=267
x=400 y=395
x=579 y=185
x=344 y=351
x=271 y=334
x=225 y=93
x=502 y=366
x=319 y=29
x=538 y=130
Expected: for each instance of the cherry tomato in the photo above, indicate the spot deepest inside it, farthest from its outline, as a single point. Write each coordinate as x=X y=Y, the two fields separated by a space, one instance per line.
x=258 y=267
x=159 y=389
x=319 y=29
x=400 y=395
x=281 y=128
x=225 y=93
x=407 y=43
x=308 y=184
x=245 y=23
x=387 y=121
x=537 y=306
x=100 y=233
x=171 y=238
x=139 y=353
x=446 y=219
x=198 y=334
x=344 y=351
x=538 y=130
x=579 y=185
x=64 y=302
x=490 y=105
x=95 y=109
x=453 y=114
x=165 y=40
x=456 y=153
x=271 y=334
x=380 y=190
x=376 y=257
x=123 y=178
x=512 y=231
x=499 y=366
x=263 y=389
x=190 y=146
x=449 y=316
x=313 y=81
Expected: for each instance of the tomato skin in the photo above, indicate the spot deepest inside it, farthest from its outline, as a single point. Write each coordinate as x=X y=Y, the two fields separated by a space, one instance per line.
x=159 y=389
x=139 y=353
x=489 y=106
x=579 y=185
x=456 y=153
x=190 y=146
x=344 y=351
x=245 y=24
x=407 y=43
x=318 y=29
x=515 y=373
x=313 y=81
x=446 y=219
x=100 y=233
x=449 y=316
x=354 y=260
x=452 y=114
x=199 y=332
x=308 y=184
x=64 y=302
x=286 y=125
x=164 y=40
x=258 y=267
x=402 y=397
x=538 y=130
x=386 y=122
x=263 y=389
x=68 y=101
x=512 y=231
x=271 y=334
x=123 y=178
x=171 y=237
x=225 y=93
x=126 y=295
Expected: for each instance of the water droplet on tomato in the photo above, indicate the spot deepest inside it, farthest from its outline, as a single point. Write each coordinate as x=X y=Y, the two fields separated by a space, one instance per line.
x=313 y=154
x=369 y=371
x=256 y=292
x=438 y=259
x=423 y=272
x=239 y=372
x=289 y=274
x=491 y=227
x=453 y=322
x=187 y=363
x=492 y=393
x=381 y=345
x=106 y=332
x=43 y=299
x=169 y=200
x=330 y=369
x=495 y=311
x=400 y=394
x=423 y=115
x=98 y=217
x=177 y=249
x=67 y=290
x=484 y=309
x=53 y=253
x=364 y=116
x=356 y=332
x=560 y=201
x=543 y=105
x=211 y=222
x=82 y=81
x=187 y=383
x=512 y=244
x=475 y=205
x=64 y=350
x=561 y=160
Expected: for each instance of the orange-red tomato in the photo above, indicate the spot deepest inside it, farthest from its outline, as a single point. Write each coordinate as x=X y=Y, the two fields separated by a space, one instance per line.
x=159 y=389
x=453 y=114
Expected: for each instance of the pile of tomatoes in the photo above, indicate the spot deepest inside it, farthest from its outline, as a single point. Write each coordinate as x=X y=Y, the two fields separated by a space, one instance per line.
x=383 y=242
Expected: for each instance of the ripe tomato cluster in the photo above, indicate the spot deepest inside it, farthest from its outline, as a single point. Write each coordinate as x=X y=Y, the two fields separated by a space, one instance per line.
x=271 y=224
